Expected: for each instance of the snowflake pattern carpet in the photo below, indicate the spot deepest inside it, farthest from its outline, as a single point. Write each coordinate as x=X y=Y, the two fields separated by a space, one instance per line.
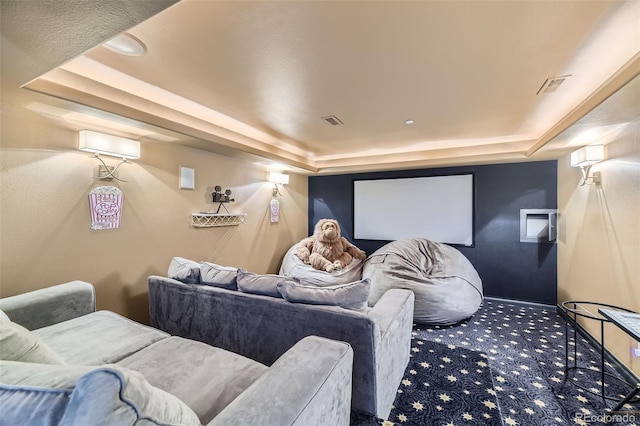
x=504 y=366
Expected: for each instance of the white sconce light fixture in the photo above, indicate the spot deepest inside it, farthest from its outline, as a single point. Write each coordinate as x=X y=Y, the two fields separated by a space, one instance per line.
x=278 y=178
x=103 y=144
x=586 y=157
x=274 y=204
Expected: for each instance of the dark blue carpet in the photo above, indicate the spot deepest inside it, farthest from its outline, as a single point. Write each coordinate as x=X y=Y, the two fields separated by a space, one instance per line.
x=504 y=366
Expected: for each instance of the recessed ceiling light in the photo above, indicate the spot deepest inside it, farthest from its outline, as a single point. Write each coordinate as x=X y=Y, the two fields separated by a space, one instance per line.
x=126 y=44
x=409 y=121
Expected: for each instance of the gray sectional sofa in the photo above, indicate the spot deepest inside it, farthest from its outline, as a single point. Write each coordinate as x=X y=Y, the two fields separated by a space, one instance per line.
x=68 y=364
x=263 y=327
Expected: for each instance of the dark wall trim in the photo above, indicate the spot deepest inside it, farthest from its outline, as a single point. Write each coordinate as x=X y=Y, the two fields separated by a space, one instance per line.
x=520 y=302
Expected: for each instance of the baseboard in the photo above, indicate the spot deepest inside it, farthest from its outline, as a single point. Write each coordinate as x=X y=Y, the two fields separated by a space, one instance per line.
x=519 y=302
x=609 y=357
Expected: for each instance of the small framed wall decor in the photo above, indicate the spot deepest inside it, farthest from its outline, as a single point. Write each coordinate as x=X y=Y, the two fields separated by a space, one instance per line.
x=105 y=203
x=187 y=178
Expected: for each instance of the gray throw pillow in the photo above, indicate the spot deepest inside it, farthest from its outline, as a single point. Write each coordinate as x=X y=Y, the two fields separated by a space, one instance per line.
x=185 y=270
x=117 y=396
x=349 y=296
x=82 y=395
x=4 y=316
x=218 y=276
x=265 y=284
x=19 y=344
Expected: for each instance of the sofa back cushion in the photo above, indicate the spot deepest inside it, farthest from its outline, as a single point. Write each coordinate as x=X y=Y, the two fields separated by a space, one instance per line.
x=185 y=270
x=349 y=296
x=45 y=394
x=19 y=344
x=218 y=276
x=265 y=284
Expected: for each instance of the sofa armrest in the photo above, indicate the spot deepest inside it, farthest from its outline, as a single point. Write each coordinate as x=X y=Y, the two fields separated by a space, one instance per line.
x=389 y=308
x=309 y=385
x=393 y=317
x=51 y=305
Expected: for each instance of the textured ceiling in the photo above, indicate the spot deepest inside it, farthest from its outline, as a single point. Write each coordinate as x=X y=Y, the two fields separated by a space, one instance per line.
x=257 y=77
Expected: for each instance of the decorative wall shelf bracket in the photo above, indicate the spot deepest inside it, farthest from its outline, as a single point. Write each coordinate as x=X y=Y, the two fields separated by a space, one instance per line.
x=209 y=220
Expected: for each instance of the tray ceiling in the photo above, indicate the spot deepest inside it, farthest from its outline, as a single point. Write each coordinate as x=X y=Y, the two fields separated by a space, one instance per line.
x=258 y=78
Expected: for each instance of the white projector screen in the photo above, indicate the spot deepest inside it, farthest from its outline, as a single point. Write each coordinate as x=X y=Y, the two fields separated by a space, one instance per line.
x=439 y=208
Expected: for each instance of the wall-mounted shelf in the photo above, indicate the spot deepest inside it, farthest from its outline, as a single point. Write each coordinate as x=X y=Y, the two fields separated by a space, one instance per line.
x=209 y=220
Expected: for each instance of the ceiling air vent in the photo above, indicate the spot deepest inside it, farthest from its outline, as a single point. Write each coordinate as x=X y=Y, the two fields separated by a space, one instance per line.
x=333 y=120
x=552 y=83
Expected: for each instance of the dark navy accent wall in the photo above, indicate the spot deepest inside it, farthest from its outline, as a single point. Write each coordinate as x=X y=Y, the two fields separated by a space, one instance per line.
x=509 y=269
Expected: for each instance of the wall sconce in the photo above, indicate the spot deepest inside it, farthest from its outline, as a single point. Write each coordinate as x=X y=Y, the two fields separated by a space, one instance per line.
x=100 y=143
x=586 y=157
x=278 y=178
x=274 y=204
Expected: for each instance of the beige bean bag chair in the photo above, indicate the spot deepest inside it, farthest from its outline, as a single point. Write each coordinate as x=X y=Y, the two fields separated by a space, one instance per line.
x=293 y=267
x=446 y=286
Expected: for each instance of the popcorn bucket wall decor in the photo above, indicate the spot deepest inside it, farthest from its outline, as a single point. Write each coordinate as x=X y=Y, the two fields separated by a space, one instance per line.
x=105 y=203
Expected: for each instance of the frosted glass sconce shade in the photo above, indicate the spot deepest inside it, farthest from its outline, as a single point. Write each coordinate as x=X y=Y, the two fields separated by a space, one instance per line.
x=587 y=156
x=280 y=178
x=100 y=143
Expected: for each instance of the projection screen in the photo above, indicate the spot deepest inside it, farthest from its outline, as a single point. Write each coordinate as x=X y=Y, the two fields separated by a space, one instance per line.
x=439 y=208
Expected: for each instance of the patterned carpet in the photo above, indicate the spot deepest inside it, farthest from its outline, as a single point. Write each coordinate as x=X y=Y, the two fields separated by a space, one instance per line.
x=504 y=366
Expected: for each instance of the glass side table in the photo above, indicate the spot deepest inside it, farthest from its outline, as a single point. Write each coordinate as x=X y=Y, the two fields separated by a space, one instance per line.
x=590 y=310
x=629 y=322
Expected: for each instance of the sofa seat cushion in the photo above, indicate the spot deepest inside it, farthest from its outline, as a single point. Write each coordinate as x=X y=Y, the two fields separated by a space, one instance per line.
x=34 y=394
x=205 y=378
x=98 y=338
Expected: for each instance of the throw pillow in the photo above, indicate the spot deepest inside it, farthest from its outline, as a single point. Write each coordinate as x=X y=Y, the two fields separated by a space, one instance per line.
x=349 y=296
x=265 y=284
x=19 y=344
x=117 y=396
x=3 y=316
x=36 y=394
x=218 y=276
x=185 y=270
x=53 y=394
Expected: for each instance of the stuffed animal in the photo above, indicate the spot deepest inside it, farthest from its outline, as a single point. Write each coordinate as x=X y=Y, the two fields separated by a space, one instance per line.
x=326 y=249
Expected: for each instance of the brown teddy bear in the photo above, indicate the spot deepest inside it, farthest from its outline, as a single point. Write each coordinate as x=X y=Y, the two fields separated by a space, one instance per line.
x=326 y=249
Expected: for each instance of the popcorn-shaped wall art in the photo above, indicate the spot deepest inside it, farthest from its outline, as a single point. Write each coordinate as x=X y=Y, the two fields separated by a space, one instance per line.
x=105 y=203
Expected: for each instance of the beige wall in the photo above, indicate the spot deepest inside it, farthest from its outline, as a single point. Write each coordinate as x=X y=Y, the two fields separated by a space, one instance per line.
x=599 y=242
x=45 y=230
